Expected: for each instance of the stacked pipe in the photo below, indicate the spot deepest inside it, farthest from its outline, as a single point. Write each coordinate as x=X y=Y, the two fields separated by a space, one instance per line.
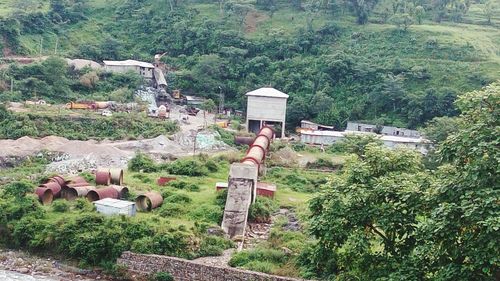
x=148 y=201
x=258 y=149
x=107 y=176
x=51 y=189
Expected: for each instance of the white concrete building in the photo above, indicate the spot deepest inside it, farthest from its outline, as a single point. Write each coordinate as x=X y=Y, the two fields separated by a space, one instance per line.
x=266 y=106
x=384 y=130
x=331 y=137
x=145 y=69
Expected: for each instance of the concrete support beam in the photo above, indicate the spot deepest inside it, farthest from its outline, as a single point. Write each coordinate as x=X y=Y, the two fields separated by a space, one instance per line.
x=242 y=190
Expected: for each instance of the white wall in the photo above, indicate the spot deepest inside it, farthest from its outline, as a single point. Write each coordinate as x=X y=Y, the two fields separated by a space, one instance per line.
x=145 y=72
x=266 y=108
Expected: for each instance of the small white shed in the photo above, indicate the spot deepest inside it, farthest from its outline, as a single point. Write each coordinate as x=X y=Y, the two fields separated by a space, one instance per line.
x=109 y=206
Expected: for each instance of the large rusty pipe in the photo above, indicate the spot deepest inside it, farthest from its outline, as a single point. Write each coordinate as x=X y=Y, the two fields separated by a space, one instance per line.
x=267 y=131
x=257 y=152
x=239 y=140
x=44 y=195
x=101 y=193
x=78 y=191
x=122 y=190
x=148 y=201
x=54 y=187
x=116 y=176
x=60 y=180
x=102 y=177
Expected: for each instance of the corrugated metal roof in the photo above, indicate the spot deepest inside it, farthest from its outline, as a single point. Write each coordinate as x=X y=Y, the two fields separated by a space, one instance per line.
x=267 y=92
x=113 y=202
x=128 y=63
x=382 y=137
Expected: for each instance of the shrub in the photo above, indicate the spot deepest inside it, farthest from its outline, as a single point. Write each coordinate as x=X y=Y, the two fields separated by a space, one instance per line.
x=178 y=198
x=253 y=259
x=143 y=178
x=299 y=146
x=163 y=276
x=60 y=206
x=262 y=209
x=213 y=246
x=211 y=166
x=221 y=197
x=322 y=163
x=172 y=210
x=207 y=213
x=187 y=167
x=184 y=185
x=142 y=162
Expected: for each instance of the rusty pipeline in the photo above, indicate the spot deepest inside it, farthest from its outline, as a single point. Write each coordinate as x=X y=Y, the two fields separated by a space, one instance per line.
x=122 y=190
x=73 y=193
x=59 y=179
x=243 y=140
x=102 y=177
x=116 y=176
x=101 y=193
x=148 y=201
x=54 y=187
x=44 y=195
x=258 y=149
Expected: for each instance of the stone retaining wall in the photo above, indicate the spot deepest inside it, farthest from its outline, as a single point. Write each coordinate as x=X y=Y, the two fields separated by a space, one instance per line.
x=185 y=270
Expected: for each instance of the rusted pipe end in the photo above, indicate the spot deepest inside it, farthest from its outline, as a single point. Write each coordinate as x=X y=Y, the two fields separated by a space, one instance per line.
x=148 y=201
x=102 y=177
x=73 y=193
x=44 y=195
x=116 y=175
x=122 y=190
x=101 y=193
x=54 y=187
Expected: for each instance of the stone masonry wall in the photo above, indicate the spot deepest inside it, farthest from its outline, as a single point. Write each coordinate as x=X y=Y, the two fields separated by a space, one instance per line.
x=185 y=270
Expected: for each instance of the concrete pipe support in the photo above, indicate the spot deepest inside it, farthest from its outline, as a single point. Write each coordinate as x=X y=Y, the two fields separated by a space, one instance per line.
x=148 y=201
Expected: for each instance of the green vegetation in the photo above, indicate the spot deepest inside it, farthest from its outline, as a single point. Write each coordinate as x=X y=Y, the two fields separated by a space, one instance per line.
x=118 y=126
x=386 y=217
x=388 y=61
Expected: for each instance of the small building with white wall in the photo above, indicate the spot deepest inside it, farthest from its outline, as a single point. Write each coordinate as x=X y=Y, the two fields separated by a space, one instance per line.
x=145 y=69
x=383 y=130
x=266 y=106
x=109 y=206
x=331 y=137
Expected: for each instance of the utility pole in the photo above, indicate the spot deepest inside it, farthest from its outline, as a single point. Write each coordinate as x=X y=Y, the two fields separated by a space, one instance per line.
x=195 y=134
x=221 y=100
x=40 y=50
x=57 y=42
x=11 y=85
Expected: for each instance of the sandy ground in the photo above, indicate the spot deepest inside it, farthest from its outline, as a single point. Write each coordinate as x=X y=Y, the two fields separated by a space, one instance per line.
x=76 y=156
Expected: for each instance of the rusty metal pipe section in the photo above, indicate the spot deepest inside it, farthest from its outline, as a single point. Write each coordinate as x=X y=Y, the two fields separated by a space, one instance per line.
x=148 y=201
x=116 y=176
x=243 y=140
x=54 y=187
x=257 y=151
x=78 y=191
x=59 y=179
x=122 y=190
x=44 y=195
x=101 y=193
x=102 y=177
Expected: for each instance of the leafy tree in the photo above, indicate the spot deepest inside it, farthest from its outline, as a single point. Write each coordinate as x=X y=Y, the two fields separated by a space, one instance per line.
x=362 y=9
x=365 y=220
x=460 y=237
x=439 y=128
x=489 y=10
x=402 y=21
x=419 y=14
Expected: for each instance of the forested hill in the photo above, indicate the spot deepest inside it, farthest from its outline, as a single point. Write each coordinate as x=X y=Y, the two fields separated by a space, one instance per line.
x=398 y=62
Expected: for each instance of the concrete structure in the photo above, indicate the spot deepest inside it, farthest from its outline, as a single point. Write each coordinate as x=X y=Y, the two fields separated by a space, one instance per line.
x=221 y=186
x=109 y=206
x=308 y=125
x=266 y=106
x=383 y=130
x=331 y=137
x=144 y=69
x=80 y=64
x=143 y=266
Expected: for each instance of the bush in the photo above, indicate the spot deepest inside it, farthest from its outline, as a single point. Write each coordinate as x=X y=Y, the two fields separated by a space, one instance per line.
x=163 y=276
x=187 y=167
x=299 y=146
x=322 y=163
x=178 y=198
x=213 y=246
x=142 y=162
x=60 y=206
x=262 y=209
x=207 y=213
x=184 y=185
x=259 y=259
x=221 y=197
x=211 y=166
x=172 y=210
x=143 y=178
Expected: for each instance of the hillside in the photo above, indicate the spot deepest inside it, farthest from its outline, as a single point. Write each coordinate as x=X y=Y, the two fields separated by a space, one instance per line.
x=333 y=68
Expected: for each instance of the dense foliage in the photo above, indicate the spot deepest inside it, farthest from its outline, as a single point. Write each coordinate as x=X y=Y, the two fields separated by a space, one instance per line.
x=387 y=218
x=333 y=69
x=119 y=126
